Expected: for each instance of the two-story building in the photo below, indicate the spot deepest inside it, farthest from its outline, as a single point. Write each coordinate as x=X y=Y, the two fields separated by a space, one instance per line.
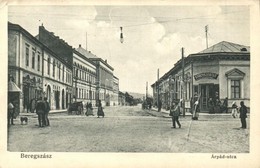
x=32 y=66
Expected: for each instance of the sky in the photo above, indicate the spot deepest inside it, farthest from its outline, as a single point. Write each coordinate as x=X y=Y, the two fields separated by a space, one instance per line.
x=153 y=35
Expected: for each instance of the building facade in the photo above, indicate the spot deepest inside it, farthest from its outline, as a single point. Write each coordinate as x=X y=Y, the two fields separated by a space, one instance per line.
x=27 y=61
x=219 y=72
x=114 y=96
x=84 y=76
x=57 y=80
x=104 y=78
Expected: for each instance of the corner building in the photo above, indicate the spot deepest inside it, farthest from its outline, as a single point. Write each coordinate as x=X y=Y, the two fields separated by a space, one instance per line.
x=37 y=70
x=221 y=71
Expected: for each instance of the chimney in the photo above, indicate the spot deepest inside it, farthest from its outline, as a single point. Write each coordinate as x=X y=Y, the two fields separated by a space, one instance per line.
x=79 y=45
x=105 y=61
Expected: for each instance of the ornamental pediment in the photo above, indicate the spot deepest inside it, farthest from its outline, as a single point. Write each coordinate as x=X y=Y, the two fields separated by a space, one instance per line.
x=235 y=72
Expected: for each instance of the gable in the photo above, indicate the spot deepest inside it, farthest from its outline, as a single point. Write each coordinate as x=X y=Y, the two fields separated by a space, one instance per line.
x=235 y=73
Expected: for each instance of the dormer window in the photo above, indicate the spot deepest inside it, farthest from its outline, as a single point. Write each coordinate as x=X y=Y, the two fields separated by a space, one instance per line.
x=243 y=49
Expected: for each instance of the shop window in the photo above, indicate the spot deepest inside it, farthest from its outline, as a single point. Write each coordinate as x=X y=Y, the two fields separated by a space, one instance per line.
x=235 y=89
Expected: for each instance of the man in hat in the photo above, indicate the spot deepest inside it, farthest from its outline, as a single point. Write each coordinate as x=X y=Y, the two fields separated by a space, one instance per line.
x=175 y=110
x=40 y=110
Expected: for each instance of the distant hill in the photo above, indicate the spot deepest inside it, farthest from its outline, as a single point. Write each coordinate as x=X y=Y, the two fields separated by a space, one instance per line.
x=136 y=95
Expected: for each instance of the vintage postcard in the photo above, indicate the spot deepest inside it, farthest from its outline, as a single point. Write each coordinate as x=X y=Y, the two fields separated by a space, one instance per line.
x=132 y=84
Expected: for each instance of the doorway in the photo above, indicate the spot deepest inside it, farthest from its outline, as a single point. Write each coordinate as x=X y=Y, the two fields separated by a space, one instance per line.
x=207 y=91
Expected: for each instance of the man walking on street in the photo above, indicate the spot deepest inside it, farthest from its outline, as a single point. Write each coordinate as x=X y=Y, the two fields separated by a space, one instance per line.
x=175 y=115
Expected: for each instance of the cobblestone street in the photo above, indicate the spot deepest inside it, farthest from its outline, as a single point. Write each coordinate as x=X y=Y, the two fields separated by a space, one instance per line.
x=130 y=129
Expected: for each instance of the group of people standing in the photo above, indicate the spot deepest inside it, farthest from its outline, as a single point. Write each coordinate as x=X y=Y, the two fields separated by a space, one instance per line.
x=216 y=106
x=242 y=110
x=89 y=109
x=42 y=110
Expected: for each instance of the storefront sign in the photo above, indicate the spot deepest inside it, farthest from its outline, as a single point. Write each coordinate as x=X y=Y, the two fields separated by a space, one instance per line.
x=206 y=75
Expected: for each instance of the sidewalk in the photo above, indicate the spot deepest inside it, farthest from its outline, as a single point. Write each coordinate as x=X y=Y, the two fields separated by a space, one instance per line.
x=51 y=112
x=165 y=113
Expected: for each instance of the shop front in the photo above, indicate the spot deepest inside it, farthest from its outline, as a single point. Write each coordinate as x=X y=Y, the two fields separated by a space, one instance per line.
x=32 y=90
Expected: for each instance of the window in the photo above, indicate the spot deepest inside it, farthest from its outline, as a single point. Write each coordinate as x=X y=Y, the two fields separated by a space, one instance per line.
x=33 y=60
x=27 y=56
x=63 y=73
x=39 y=62
x=53 y=70
x=49 y=64
x=59 y=70
x=235 y=88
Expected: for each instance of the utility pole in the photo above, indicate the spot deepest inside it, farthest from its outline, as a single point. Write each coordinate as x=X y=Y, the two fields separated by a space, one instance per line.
x=183 y=102
x=206 y=30
x=86 y=41
x=157 y=87
x=146 y=90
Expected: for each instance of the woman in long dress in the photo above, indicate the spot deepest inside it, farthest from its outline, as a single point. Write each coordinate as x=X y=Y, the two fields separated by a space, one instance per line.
x=234 y=109
x=100 y=111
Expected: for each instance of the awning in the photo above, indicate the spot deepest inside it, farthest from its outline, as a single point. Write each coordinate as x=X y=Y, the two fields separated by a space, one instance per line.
x=12 y=87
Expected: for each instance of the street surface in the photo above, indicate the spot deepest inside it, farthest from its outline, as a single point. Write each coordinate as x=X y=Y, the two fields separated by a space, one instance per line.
x=130 y=129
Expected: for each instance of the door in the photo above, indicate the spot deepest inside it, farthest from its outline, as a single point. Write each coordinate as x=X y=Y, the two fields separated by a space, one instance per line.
x=203 y=97
x=206 y=91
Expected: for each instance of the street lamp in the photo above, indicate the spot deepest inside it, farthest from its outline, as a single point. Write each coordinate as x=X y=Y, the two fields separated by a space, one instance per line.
x=121 y=35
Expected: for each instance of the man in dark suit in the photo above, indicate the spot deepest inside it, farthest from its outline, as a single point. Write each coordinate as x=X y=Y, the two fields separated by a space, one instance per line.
x=243 y=114
x=40 y=110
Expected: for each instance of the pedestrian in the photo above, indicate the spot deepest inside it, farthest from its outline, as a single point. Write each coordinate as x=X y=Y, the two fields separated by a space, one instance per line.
x=100 y=111
x=234 y=109
x=196 y=109
x=175 y=111
x=243 y=114
x=150 y=105
x=225 y=105
x=47 y=110
x=159 y=105
x=217 y=106
x=89 y=109
x=10 y=113
x=40 y=110
x=211 y=106
x=32 y=105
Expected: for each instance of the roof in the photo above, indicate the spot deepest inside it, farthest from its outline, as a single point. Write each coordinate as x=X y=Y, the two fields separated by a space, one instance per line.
x=225 y=46
x=86 y=53
x=16 y=27
x=12 y=87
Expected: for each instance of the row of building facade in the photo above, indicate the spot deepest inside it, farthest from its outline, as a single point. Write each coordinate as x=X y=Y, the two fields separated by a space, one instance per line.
x=47 y=66
x=218 y=72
